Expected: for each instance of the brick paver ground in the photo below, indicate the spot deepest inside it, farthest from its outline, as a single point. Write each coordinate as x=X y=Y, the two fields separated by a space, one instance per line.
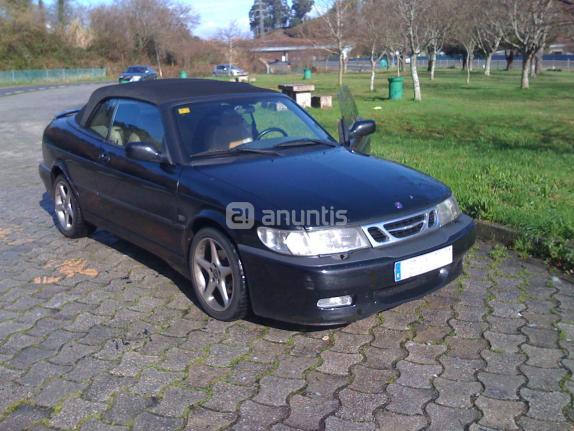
x=96 y=334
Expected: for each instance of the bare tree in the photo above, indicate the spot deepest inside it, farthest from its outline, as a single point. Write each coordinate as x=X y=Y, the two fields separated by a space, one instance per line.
x=155 y=24
x=375 y=32
x=489 y=29
x=464 y=32
x=335 y=27
x=229 y=36
x=439 y=21
x=151 y=29
x=530 y=22
x=412 y=17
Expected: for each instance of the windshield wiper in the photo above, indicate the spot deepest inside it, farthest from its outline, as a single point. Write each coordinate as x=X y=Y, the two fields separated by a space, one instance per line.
x=235 y=151
x=301 y=142
x=242 y=149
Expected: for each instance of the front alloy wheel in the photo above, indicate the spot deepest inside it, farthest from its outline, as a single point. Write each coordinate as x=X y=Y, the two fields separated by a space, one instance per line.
x=217 y=276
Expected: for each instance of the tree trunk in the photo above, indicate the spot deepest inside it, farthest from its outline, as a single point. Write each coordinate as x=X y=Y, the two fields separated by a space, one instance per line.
x=488 y=64
x=509 y=60
x=468 y=63
x=538 y=62
x=341 y=68
x=415 y=78
x=525 y=83
x=373 y=73
x=432 y=65
x=158 y=63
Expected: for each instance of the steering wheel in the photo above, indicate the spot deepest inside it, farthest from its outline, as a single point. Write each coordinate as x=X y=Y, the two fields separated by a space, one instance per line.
x=271 y=130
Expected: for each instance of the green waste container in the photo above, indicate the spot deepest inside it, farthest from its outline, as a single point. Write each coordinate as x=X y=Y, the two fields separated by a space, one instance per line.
x=307 y=73
x=396 y=88
x=183 y=74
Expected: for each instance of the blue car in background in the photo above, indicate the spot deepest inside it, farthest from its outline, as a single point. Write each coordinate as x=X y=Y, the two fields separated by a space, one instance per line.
x=136 y=74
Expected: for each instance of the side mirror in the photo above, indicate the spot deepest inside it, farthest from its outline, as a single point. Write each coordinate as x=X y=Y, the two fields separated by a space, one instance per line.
x=144 y=152
x=362 y=128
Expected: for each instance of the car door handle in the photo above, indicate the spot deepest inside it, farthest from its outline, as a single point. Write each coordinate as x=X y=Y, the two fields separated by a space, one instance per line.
x=105 y=157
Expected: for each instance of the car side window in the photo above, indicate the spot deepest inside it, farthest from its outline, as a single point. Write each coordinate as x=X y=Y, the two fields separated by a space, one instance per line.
x=137 y=122
x=100 y=122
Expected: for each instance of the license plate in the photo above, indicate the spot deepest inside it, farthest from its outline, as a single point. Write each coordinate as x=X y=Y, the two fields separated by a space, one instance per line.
x=424 y=263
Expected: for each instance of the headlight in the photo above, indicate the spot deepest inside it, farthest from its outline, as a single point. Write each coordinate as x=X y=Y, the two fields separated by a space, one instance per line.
x=314 y=242
x=447 y=211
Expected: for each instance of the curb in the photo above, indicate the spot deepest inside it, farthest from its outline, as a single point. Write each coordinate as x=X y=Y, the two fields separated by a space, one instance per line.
x=489 y=231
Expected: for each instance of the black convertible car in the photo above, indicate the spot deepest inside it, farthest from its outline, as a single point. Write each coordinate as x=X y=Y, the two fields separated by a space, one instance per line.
x=244 y=193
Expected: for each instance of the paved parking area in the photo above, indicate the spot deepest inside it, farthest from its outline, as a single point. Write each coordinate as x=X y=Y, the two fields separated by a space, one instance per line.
x=96 y=334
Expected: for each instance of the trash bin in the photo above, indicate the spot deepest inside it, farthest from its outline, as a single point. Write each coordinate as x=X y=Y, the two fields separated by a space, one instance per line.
x=396 y=88
x=307 y=73
x=183 y=74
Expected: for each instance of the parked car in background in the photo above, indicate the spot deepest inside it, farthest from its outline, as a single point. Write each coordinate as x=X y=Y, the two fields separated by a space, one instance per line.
x=203 y=172
x=228 y=70
x=136 y=74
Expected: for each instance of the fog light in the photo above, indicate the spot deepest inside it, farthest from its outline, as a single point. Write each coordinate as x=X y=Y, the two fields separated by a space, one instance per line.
x=336 y=301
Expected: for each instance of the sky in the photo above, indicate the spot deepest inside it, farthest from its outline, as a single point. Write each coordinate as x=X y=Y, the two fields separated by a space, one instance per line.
x=214 y=14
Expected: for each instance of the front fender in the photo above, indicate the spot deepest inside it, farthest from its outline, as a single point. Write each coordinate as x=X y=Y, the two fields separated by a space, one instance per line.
x=207 y=217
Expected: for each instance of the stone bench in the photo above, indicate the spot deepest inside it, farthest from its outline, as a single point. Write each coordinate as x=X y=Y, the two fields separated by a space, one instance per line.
x=243 y=78
x=300 y=93
x=322 y=102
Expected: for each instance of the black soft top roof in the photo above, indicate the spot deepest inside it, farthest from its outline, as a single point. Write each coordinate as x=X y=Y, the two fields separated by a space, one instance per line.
x=164 y=91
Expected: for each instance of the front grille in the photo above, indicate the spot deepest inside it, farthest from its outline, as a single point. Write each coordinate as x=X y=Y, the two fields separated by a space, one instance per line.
x=406 y=227
x=377 y=234
x=391 y=231
x=406 y=232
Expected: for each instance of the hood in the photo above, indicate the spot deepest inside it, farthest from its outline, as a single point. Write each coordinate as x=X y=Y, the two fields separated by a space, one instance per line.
x=365 y=187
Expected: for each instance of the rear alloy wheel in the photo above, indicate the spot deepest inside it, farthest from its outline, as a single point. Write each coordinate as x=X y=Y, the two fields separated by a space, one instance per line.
x=217 y=275
x=69 y=219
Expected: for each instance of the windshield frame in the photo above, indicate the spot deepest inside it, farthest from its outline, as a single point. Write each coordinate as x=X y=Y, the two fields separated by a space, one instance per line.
x=271 y=96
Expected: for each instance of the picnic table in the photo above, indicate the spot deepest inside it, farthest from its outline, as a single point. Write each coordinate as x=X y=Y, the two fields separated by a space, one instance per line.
x=301 y=93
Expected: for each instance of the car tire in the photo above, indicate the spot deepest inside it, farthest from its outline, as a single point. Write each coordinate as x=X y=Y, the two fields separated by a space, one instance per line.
x=68 y=215
x=215 y=277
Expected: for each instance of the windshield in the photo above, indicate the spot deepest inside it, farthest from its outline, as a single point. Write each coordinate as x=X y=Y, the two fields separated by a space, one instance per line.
x=135 y=69
x=245 y=123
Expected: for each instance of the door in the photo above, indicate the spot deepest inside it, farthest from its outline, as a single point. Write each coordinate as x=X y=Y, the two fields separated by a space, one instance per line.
x=84 y=151
x=139 y=196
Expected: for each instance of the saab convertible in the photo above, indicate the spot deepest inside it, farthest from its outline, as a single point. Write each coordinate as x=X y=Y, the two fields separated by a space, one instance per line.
x=246 y=195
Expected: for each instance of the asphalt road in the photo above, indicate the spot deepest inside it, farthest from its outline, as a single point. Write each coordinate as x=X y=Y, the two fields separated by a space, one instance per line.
x=11 y=91
x=96 y=334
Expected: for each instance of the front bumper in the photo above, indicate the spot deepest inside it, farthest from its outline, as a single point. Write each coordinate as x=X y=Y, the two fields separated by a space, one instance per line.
x=287 y=288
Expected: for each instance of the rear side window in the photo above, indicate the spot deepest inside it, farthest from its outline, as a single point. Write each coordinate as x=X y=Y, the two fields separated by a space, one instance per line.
x=100 y=122
x=137 y=122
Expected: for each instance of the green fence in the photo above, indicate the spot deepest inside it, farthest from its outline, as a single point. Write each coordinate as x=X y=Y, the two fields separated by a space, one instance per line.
x=50 y=75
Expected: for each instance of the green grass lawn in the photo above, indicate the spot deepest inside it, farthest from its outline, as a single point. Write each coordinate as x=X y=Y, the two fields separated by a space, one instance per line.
x=507 y=154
